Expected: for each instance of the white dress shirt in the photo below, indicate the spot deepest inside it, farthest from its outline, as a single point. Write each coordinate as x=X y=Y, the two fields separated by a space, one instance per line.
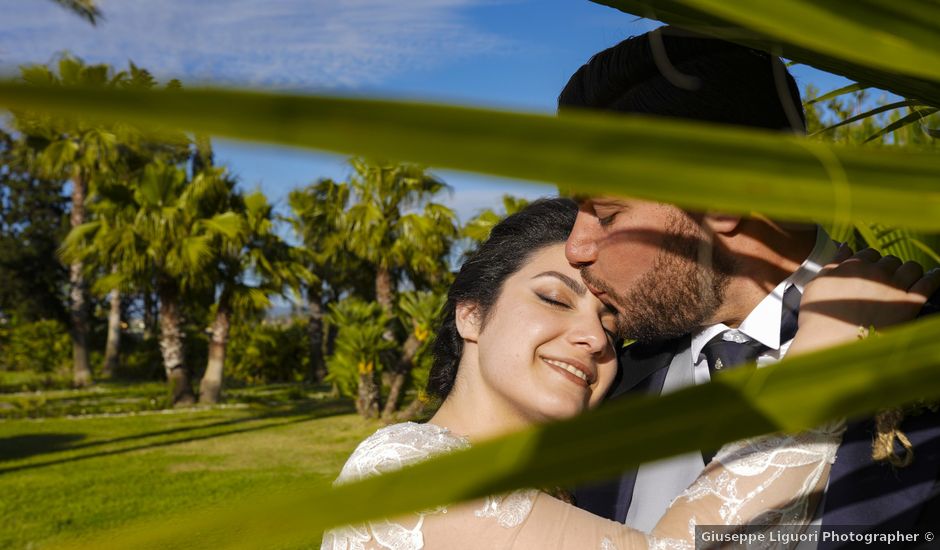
x=659 y=483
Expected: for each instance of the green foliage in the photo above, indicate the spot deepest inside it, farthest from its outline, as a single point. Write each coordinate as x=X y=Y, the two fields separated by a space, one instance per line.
x=262 y=352
x=41 y=346
x=419 y=310
x=826 y=121
x=393 y=222
x=360 y=347
x=33 y=222
x=86 y=9
x=478 y=228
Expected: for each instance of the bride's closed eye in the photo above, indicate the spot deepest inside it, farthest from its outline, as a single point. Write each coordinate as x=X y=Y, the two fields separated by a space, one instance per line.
x=551 y=301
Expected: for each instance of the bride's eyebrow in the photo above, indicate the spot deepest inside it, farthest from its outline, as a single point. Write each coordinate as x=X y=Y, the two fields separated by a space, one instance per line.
x=575 y=286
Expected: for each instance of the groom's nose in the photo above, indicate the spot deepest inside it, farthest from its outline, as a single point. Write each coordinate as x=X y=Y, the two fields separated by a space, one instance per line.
x=581 y=247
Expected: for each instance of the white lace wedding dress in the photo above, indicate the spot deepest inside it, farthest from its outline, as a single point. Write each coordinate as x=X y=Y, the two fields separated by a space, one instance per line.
x=771 y=480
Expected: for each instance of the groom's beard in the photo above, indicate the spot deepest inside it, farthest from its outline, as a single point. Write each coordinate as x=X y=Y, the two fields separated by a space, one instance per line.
x=678 y=294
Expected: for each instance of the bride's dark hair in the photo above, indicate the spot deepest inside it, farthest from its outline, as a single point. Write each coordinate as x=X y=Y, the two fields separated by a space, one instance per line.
x=480 y=279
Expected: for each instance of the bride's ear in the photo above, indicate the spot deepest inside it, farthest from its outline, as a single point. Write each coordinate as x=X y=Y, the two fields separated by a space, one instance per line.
x=468 y=320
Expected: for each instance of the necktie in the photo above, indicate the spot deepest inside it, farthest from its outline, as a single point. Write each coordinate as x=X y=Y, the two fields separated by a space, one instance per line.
x=732 y=348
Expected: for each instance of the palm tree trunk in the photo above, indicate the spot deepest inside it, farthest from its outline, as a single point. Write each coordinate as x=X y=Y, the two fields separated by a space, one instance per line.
x=367 y=401
x=78 y=299
x=210 y=389
x=171 y=347
x=315 y=333
x=112 y=350
x=400 y=375
x=383 y=288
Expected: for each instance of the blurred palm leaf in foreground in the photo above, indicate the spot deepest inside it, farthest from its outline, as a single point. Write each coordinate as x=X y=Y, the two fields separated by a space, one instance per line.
x=695 y=165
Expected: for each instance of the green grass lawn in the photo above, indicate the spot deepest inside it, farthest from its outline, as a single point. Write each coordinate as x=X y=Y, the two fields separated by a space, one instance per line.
x=66 y=477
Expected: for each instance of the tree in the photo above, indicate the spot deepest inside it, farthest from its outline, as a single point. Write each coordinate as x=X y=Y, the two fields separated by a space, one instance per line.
x=133 y=150
x=33 y=221
x=68 y=148
x=362 y=351
x=86 y=9
x=254 y=251
x=165 y=248
x=395 y=226
x=478 y=228
x=872 y=126
x=419 y=311
x=319 y=220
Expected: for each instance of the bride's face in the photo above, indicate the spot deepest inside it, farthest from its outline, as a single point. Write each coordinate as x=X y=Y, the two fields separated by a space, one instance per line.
x=545 y=349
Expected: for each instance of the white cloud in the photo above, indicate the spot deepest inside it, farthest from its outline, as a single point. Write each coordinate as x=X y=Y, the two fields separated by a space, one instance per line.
x=284 y=43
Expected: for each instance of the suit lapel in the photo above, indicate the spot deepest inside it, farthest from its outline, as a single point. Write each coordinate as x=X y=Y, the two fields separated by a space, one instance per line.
x=643 y=369
x=643 y=366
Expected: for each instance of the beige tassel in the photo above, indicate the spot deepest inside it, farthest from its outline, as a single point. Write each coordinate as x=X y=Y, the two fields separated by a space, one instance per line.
x=887 y=430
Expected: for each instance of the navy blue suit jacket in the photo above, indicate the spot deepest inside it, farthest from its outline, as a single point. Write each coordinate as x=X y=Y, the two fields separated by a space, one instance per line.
x=860 y=492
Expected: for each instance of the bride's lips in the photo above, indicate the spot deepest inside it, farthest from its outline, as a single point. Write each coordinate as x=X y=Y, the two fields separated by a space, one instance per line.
x=573 y=369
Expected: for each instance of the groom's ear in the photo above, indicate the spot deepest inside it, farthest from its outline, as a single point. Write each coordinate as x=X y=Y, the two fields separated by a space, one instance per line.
x=721 y=224
x=469 y=322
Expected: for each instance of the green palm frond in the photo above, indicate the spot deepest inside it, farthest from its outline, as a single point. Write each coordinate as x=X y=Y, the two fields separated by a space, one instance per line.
x=888 y=44
x=850 y=88
x=227 y=224
x=694 y=165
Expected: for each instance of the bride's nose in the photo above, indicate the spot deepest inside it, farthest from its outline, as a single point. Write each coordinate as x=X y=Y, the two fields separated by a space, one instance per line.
x=589 y=335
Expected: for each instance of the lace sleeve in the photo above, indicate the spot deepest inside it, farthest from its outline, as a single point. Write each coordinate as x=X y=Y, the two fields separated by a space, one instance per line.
x=771 y=480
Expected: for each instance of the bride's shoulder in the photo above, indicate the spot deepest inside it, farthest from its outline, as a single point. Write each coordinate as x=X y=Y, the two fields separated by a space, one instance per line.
x=396 y=446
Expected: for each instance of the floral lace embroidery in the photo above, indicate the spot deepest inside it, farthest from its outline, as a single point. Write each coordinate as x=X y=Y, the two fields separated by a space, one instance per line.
x=386 y=450
x=768 y=458
x=748 y=470
x=509 y=510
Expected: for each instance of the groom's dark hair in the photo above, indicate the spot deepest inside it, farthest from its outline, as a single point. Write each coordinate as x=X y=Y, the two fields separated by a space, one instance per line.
x=669 y=72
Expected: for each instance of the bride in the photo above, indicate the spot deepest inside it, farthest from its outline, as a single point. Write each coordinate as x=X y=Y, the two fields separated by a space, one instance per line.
x=522 y=341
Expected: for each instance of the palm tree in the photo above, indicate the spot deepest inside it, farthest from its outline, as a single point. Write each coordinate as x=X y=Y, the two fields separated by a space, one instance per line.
x=94 y=245
x=254 y=251
x=164 y=247
x=479 y=227
x=86 y=9
x=69 y=148
x=362 y=351
x=318 y=219
x=419 y=311
x=132 y=151
x=396 y=227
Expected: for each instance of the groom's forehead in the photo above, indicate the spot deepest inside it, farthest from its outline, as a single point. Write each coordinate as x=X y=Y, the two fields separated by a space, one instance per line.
x=610 y=202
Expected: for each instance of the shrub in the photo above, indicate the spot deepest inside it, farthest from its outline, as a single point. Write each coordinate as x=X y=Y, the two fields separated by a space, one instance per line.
x=261 y=352
x=360 y=346
x=42 y=346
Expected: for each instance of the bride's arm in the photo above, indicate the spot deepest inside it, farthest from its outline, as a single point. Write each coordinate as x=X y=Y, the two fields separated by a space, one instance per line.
x=778 y=479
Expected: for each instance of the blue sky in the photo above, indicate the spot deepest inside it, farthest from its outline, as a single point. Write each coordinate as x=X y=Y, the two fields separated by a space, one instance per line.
x=509 y=54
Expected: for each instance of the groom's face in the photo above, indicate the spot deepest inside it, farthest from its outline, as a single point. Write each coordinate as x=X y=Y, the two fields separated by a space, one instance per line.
x=651 y=262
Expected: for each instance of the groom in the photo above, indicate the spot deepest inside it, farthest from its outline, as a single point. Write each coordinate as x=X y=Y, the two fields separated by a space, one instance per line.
x=704 y=292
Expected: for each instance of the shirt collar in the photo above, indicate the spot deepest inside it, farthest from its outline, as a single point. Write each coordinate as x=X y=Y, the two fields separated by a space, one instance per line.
x=763 y=322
